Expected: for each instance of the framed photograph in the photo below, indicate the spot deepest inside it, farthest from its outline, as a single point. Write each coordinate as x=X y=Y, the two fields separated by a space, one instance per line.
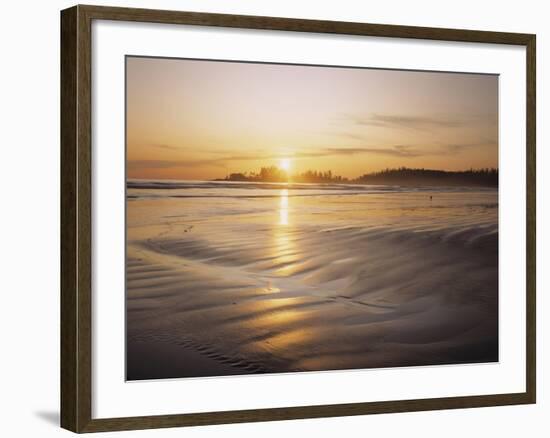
x=271 y=218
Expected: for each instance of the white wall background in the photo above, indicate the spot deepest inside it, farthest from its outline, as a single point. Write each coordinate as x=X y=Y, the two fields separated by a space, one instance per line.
x=29 y=215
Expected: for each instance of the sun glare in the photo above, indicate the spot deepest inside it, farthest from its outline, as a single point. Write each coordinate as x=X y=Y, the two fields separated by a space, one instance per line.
x=285 y=164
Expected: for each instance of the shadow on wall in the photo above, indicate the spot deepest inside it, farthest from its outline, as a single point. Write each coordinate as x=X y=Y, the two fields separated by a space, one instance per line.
x=51 y=417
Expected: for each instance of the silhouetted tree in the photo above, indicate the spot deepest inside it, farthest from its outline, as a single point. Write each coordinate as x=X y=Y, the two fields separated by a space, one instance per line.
x=399 y=176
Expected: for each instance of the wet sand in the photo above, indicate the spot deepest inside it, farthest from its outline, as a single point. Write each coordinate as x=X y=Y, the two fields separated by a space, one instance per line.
x=242 y=285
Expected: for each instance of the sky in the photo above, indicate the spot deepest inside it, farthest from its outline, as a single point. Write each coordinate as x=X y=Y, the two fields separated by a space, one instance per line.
x=200 y=119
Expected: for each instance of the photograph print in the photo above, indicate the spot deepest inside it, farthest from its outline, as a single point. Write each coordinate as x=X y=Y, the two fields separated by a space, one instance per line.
x=291 y=218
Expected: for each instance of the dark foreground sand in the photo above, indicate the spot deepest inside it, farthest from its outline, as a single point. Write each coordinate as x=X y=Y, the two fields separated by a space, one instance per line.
x=222 y=286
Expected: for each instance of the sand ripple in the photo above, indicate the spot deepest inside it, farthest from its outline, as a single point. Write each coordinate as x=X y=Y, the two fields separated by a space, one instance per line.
x=327 y=285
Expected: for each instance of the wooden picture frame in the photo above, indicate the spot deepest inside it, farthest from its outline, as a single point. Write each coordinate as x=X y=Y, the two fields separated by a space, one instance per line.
x=76 y=217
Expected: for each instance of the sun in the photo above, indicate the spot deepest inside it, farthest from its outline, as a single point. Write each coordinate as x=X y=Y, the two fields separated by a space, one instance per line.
x=284 y=164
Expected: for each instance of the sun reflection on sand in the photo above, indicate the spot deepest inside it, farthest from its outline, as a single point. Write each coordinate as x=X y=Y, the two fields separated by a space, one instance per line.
x=292 y=338
x=283 y=207
x=282 y=320
x=283 y=243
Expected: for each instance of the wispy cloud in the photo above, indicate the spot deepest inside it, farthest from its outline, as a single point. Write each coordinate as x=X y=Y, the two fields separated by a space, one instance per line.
x=168 y=147
x=394 y=151
x=419 y=122
x=167 y=164
x=415 y=122
x=403 y=151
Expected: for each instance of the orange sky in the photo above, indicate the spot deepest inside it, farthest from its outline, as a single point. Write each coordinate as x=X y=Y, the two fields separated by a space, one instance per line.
x=204 y=119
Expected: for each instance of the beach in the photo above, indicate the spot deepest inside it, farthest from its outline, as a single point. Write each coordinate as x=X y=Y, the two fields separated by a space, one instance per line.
x=226 y=278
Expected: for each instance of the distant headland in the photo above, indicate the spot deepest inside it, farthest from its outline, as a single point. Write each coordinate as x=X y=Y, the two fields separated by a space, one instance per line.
x=403 y=176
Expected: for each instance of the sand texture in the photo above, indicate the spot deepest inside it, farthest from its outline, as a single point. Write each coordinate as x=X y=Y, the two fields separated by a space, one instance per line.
x=226 y=280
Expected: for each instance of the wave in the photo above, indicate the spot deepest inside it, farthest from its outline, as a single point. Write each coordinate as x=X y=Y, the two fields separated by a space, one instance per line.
x=245 y=196
x=234 y=189
x=174 y=185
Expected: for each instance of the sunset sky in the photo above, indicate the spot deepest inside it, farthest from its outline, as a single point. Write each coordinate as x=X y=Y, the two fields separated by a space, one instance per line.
x=205 y=119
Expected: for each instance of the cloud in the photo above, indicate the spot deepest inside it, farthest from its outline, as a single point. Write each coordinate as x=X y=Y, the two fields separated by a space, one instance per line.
x=457 y=148
x=416 y=122
x=168 y=164
x=420 y=122
x=403 y=151
x=166 y=146
x=394 y=151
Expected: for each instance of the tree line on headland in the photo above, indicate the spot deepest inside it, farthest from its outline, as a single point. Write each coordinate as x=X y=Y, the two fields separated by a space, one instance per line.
x=398 y=176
